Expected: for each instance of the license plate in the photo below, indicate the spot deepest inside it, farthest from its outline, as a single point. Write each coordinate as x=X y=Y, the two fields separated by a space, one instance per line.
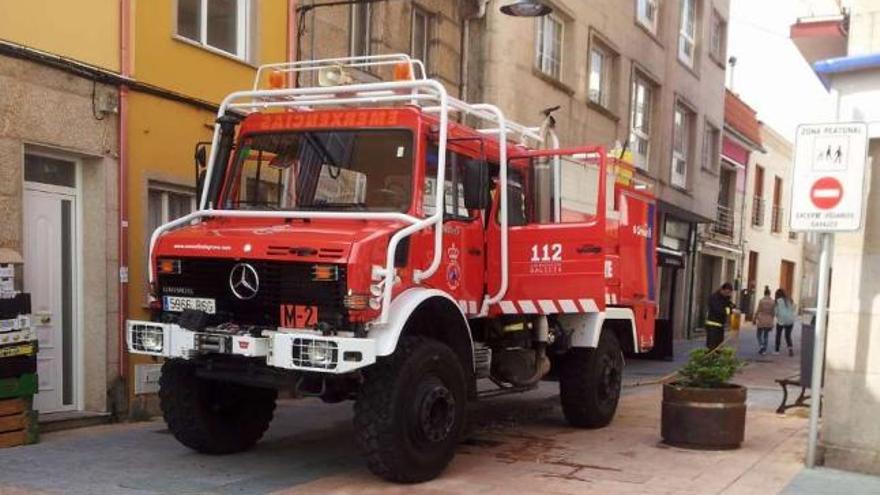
x=16 y=350
x=178 y=304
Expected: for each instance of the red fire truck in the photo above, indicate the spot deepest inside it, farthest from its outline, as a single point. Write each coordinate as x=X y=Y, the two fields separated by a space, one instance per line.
x=355 y=240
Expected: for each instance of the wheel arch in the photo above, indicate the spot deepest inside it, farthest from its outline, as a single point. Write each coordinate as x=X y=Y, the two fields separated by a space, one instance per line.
x=586 y=328
x=622 y=322
x=431 y=313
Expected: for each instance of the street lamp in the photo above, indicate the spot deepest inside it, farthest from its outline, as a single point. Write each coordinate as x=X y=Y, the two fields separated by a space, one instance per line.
x=526 y=8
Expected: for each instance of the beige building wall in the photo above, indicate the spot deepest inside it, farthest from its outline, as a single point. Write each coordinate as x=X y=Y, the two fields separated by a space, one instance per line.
x=45 y=109
x=327 y=34
x=850 y=435
x=864 y=27
x=507 y=62
x=505 y=57
x=772 y=247
x=850 y=432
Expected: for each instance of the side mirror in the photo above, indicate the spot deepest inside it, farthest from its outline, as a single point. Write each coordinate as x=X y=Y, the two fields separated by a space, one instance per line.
x=476 y=184
x=200 y=158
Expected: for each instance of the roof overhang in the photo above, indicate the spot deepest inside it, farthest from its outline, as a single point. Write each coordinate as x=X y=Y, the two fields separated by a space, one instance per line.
x=825 y=69
x=820 y=38
x=742 y=140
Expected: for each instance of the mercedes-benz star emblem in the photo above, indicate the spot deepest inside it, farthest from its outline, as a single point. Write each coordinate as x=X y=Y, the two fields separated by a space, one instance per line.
x=244 y=281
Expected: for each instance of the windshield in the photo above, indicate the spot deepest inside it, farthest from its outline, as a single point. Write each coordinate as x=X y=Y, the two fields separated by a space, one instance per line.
x=367 y=170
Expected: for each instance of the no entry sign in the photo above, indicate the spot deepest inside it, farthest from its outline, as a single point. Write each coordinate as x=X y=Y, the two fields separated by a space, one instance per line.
x=826 y=193
x=828 y=180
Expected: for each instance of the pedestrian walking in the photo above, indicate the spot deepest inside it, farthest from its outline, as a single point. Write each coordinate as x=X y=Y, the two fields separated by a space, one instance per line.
x=764 y=316
x=785 y=315
x=720 y=306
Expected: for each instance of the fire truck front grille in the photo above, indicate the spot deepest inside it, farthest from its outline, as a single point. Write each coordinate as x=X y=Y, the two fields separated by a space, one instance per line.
x=281 y=286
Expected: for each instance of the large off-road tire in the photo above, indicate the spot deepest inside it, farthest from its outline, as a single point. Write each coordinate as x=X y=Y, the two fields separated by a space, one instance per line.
x=210 y=416
x=590 y=382
x=410 y=412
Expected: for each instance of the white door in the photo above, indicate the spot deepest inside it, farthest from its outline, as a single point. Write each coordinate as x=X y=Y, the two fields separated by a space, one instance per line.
x=50 y=227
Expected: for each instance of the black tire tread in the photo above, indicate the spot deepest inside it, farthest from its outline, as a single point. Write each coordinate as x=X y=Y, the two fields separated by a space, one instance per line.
x=576 y=384
x=373 y=423
x=198 y=430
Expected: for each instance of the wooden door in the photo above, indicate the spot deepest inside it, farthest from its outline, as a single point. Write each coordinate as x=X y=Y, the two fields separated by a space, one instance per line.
x=786 y=277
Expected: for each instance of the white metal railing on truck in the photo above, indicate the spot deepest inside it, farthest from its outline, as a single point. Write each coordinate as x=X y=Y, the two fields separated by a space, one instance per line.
x=427 y=94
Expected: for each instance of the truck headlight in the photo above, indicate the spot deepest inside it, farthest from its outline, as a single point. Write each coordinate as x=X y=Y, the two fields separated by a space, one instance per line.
x=147 y=338
x=310 y=353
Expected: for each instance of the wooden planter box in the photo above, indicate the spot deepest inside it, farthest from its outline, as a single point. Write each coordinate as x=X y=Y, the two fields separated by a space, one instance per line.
x=18 y=422
x=703 y=418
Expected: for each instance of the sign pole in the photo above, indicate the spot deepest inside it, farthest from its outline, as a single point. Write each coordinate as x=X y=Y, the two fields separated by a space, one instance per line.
x=819 y=347
x=827 y=196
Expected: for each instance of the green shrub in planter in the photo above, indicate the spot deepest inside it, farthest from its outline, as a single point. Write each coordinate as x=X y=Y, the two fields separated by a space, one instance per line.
x=706 y=369
x=703 y=410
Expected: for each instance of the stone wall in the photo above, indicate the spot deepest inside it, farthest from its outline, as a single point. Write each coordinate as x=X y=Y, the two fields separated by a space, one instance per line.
x=50 y=110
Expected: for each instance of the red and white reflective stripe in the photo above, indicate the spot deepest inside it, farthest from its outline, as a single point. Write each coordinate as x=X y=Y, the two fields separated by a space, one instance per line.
x=610 y=298
x=468 y=307
x=548 y=306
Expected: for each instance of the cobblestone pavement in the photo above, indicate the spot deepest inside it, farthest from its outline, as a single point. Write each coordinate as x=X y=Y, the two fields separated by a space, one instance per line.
x=516 y=444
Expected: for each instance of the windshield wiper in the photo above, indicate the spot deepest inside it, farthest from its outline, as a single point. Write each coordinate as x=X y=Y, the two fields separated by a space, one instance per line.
x=323 y=205
x=256 y=205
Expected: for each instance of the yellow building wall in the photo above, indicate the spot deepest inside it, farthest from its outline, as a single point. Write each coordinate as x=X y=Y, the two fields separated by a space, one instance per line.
x=83 y=30
x=162 y=133
x=161 y=136
x=166 y=60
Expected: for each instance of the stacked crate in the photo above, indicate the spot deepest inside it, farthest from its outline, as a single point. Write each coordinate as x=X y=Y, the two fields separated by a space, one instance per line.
x=18 y=364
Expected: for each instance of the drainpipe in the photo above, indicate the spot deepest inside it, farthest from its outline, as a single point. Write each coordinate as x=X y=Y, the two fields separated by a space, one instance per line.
x=690 y=273
x=742 y=238
x=291 y=38
x=465 y=47
x=122 y=197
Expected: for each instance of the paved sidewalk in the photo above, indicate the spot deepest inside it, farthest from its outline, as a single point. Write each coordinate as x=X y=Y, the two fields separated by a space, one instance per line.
x=832 y=482
x=515 y=444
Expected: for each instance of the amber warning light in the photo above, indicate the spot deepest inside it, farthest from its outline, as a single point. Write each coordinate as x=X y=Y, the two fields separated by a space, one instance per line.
x=276 y=79
x=168 y=266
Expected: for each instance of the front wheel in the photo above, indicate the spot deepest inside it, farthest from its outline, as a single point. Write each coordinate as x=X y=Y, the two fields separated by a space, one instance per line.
x=209 y=416
x=410 y=412
x=590 y=382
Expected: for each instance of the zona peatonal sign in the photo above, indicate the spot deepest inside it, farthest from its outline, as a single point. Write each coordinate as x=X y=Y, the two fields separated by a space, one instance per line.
x=828 y=181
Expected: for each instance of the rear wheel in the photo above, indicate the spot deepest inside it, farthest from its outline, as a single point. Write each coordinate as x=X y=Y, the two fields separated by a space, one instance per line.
x=410 y=412
x=210 y=416
x=590 y=382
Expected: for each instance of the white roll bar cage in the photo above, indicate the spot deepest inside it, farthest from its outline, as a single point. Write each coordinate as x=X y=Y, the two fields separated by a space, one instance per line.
x=412 y=92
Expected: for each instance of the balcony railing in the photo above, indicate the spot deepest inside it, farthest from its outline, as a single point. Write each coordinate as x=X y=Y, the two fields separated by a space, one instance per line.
x=776 y=214
x=724 y=221
x=758 y=211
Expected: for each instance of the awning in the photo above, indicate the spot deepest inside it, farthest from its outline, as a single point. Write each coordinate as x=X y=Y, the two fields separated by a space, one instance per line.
x=826 y=68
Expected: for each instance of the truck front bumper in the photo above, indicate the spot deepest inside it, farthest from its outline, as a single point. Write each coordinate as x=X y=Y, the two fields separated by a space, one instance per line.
x=301 y=350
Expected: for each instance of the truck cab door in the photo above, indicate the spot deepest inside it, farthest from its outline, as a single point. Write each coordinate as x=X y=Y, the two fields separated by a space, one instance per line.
x=557 y=239
x=462 y=267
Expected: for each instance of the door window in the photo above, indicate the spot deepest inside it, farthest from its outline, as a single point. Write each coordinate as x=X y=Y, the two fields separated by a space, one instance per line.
x=454 y=179
x=46 y=170
x=577 y=191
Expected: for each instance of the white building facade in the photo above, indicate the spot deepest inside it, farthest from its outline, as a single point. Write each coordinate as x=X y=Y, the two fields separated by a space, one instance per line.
x=773 y=254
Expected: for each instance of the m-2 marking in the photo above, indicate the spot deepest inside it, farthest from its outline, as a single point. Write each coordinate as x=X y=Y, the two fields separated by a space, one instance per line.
x=298 y=316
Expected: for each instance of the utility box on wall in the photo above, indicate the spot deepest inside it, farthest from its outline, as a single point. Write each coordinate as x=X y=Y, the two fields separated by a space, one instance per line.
x=146 y=378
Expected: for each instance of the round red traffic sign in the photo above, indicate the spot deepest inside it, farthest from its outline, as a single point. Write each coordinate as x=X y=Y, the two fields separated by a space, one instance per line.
x=826 y=193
